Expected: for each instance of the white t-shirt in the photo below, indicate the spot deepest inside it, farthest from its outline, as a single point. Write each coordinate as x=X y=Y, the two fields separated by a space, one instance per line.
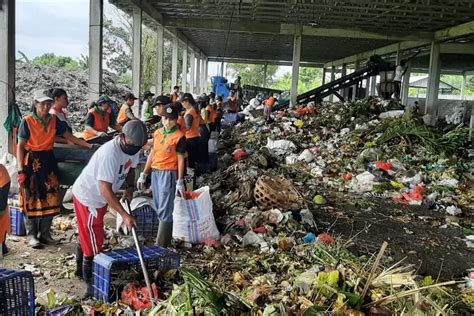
x=109 y=163
x=398 y=73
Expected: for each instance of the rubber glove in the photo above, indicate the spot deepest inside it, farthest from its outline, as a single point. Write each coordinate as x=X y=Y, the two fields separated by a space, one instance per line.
x=180 y=188
x=141 y=182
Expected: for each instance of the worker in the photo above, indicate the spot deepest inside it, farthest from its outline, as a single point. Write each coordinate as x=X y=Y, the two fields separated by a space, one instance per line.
x=212 y=114
x=166 y=163
x=61 y=101
x=189 y=124
x=38 y=170
x=5 y=227
x=147 y=108
x=205 y=133
x=94 y=191
x=158 y=103
x=397 y=80
x=98 y=120
x=268 y=108
x=220 y=112
x=175 y=94
x=126 y=113
x=232 y=103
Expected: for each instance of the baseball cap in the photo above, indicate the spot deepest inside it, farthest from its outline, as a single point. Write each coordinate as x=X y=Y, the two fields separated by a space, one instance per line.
x=187 y=97
x=135 y=130
x=42 y=95
x=171 y=110
x=130 y=96
x=148 y=94
x=103 y=99
x=161 y=100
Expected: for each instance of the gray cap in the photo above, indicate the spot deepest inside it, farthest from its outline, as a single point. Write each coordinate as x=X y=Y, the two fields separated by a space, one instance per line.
x=42 y=95
x=135 y=130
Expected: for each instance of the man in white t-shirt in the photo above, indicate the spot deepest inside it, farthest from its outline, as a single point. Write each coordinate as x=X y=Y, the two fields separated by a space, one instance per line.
x=397 y=80
x=94 y=190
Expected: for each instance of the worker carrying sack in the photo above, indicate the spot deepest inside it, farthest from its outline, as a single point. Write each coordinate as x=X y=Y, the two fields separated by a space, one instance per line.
x=193 y=220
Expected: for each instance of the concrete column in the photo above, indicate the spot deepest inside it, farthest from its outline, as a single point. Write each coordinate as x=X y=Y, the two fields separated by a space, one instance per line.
x=7 y=68
x=398 y=56
x=96 y=22
x=333 y=77
x=174 y=60
x=463 y=85
x=324 y=76
x=136 y=56
x=354 y=87
x=433 y=81
x=184 y=74
x=192 y=74
x=373 y=85
x=203 y=80
x=406 y=85
x=367 y=87
x=205 y=75
x=198 y=74
x=295 y=72
x=222 y=69
x=344 y=92
x=265 y=75
x=159 y=59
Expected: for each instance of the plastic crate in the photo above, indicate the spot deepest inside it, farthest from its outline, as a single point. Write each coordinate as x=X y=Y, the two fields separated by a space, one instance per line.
x=17 y=293
x=17 y=221
x=147 y=221
x=107 y=267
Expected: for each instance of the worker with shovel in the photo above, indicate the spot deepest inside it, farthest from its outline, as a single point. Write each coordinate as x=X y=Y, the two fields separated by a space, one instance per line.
x=94 y=190
x=166 y=163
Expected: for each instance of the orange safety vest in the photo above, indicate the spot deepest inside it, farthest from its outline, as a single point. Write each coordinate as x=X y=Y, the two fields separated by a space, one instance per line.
x=270 y=102
x=101 y=122
x=233 y=106
x=174 y=97
x=122 y=116
x=164 y=146
x=212 y=115
x=193 y=132
x=41 y=137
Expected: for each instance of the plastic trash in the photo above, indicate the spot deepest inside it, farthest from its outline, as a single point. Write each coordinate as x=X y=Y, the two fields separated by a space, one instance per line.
x=298 y=123
x=306 y=155
x=307 y=217
x=137 y=297
x=304 y=282
x=316 y=139
x=452 y=183
x=347 y=177
x=391 y=114
x=453 y=210
x=280 y=146
x=344 y=131
x=325 y=238
x=240 y=155
x=415 y=197
x=385 y=166
x=309 y=238
x=364 y=182
x=251 y=239
x=291 y=159
x=273 y=216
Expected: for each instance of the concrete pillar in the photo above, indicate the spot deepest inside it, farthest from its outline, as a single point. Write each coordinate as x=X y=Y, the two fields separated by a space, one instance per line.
x=205 y=75
x=7 y=68
x=192 y=75
x=136 y=56
x=354 y=87
x=324 y=76
x=433 y=81
x=463 y=86
x=406 y=85
x=159 y=59
x=295 y=72
x=96 y=22
x=333 y=77
x=222 y=69
x=184 y=74
x=174 y=60
x=202 y=80
x=344 y=92
x=367 y=87
x=265 y=75
x=198 y=74
x=373 y=85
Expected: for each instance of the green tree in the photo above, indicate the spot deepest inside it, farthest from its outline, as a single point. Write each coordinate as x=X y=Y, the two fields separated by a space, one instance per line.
x=253 y=74
x=309 y=78
x=57 y=61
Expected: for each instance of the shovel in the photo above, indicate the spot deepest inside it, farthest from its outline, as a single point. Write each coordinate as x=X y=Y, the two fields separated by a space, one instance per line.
x=140 y=256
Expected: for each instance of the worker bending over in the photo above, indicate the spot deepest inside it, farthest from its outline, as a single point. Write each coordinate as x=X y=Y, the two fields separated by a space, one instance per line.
x=98 y=120
x=167 y=166
x=126 y=113
x=94 y=190
x=268 y=108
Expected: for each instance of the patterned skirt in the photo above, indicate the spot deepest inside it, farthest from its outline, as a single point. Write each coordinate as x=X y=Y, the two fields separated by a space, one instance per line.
x=40 y=195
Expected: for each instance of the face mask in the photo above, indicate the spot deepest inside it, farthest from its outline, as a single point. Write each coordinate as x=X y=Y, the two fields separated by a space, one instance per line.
x=128 y=149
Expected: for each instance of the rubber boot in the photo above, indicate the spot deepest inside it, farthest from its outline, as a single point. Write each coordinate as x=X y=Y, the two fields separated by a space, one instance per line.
x=165 y=234
x=45 y=231
x=79 y=260
x=32 y=232
x=87 y=275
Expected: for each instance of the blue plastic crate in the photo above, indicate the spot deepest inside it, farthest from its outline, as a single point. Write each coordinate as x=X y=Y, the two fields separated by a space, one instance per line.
x=147 y=221
x=107 y=267
x=17 y=221
x=17 y=293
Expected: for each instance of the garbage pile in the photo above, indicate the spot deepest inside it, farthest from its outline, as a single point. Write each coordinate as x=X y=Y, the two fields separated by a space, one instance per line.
x=30 y=77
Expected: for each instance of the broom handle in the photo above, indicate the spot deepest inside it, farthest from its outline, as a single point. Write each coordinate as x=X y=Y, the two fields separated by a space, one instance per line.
x=140 y=256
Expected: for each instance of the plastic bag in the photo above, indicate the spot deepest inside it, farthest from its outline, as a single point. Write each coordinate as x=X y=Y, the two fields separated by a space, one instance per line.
x=193 y=220
x=306 y=155
x=138 y=298
x=281 y=146
x=9 y=161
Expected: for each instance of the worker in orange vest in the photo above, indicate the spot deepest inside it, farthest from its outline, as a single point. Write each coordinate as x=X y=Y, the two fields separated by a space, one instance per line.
x=98 y=120
x=166 y=163
x=189 y=124
x=268 y=108
x=232 y=103
x=125 y=113
x=5 y=227
x=175 y=94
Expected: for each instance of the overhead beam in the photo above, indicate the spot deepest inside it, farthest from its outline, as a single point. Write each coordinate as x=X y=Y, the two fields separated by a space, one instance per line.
x=455 y=31
x=262 y=62
x=453 y=48
x=248 y=26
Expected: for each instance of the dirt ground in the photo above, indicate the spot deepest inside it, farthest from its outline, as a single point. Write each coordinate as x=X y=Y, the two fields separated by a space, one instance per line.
x=412 y=233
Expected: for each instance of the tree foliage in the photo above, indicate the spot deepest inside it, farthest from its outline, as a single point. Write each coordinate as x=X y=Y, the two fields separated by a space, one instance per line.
x=51 y=59
x=253 y=74
x=309 y=78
